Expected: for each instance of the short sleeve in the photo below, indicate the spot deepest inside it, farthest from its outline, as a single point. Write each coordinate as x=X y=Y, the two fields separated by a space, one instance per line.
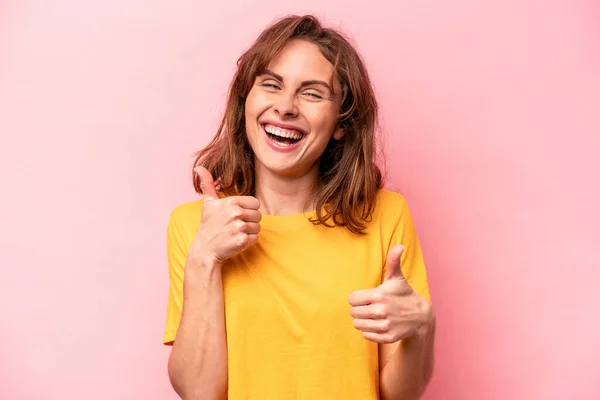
x=412 y=262
x=177 y=251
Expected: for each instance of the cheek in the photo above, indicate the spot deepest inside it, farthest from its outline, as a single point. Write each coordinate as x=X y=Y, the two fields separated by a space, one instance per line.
x=323 y=121
x=250 y=104
x=256 y=103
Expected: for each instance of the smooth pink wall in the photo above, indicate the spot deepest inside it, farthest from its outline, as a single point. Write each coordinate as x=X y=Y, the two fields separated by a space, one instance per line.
x=491 y=111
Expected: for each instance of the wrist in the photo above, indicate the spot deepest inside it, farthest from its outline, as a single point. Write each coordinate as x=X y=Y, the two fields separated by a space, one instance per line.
x=427 y=327
x=203 y=263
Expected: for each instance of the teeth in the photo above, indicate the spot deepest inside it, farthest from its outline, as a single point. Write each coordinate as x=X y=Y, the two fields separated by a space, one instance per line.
x=286 y=133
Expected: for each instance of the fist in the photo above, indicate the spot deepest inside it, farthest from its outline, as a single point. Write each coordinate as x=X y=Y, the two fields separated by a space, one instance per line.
x=392 y=311
x=228 y=225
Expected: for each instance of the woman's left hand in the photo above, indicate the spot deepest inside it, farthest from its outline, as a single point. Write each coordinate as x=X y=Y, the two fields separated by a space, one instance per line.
x=392 y=311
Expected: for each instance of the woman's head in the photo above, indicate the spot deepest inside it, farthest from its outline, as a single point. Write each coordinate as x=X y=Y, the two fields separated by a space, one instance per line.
x=301 y=102
x=291 y=112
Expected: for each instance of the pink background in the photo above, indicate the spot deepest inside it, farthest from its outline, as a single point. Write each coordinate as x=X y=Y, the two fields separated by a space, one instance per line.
x=491 y=112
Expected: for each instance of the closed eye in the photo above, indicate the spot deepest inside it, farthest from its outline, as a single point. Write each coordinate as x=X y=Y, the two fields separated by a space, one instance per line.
x=270 y=86
x=314 y=95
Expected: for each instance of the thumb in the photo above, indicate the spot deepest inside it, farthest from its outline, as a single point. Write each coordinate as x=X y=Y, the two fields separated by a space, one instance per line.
x=207 y=183
x=392 y=263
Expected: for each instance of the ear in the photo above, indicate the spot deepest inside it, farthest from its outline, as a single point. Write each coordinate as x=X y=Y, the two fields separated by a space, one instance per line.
x=338 y=134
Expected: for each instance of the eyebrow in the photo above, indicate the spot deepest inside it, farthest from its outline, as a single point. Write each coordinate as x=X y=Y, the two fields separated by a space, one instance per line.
x=303 y=84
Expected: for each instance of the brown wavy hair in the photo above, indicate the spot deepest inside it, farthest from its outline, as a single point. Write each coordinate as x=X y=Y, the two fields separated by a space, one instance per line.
x=349 y=175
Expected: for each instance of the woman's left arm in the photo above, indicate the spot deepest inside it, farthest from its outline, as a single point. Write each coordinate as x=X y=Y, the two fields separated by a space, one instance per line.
x=402 y=322
x=407 y=366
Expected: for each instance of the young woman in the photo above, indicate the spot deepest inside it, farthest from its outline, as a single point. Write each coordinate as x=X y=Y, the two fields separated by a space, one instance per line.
x=297 y=276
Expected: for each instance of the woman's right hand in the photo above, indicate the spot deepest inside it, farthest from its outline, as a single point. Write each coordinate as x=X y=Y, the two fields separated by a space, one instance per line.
x=228 y=225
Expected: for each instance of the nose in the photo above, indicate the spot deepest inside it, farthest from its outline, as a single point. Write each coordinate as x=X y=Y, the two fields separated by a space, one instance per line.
x=286 y=105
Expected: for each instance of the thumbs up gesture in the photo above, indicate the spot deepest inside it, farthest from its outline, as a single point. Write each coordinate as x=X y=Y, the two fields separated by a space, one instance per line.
x=392 y=311
x=228 y=225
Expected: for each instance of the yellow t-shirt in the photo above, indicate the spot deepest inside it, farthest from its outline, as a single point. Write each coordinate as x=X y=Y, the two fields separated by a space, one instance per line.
x=288 y=323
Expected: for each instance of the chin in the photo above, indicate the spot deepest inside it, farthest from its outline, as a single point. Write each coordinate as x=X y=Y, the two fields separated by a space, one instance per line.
x=278 y=169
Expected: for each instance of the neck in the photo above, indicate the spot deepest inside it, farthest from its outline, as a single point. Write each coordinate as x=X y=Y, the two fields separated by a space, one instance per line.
x=285 y=195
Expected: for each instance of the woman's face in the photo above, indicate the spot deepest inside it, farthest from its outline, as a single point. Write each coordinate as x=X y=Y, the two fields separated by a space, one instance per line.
x=291 y=111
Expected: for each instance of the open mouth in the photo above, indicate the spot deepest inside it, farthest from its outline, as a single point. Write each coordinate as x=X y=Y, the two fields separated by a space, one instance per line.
x=282 y=137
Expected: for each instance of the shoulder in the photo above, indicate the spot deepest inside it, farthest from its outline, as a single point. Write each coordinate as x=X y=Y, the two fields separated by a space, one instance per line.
x=387 y=197
x=390 y=203
x=391 y=209
x=190 y=209
x=184 y=220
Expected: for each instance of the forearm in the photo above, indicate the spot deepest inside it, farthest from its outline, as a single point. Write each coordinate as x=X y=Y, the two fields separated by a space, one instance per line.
x=409 y=369
x=198 y=361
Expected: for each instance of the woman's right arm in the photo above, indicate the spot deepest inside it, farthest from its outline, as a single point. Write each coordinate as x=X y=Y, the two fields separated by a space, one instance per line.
x=198 y=361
